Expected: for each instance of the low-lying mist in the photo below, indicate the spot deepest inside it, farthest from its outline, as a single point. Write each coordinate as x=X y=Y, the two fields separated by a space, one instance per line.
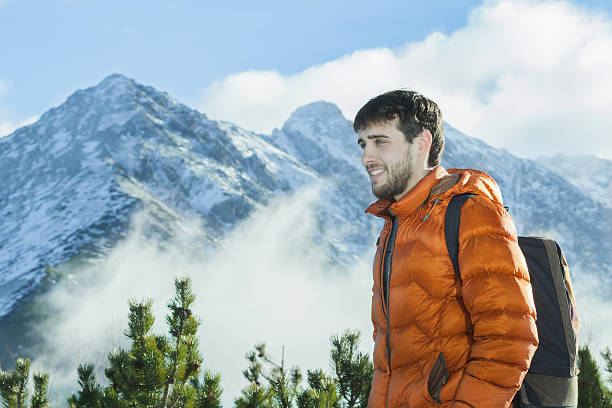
x=267 y=282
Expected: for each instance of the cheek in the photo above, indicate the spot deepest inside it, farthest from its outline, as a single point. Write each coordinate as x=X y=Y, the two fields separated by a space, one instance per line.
x=391 y=159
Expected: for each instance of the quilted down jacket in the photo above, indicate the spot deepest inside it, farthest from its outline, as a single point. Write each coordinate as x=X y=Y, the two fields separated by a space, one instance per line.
x=439 y=342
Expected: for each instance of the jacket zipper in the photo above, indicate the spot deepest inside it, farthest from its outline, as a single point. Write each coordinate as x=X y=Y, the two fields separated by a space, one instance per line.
x=380 y=272
x=385 y=272
x=435 y=201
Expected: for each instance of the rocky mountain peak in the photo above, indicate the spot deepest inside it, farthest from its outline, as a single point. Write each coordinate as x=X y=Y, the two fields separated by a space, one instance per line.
x=319 y=110
x=317 y=132
x=318 y=118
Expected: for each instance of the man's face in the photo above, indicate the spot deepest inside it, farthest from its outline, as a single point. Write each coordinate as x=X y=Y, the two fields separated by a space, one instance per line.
x=388 y=158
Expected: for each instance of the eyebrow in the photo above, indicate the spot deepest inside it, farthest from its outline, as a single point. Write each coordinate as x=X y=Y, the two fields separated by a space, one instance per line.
x=360 y=140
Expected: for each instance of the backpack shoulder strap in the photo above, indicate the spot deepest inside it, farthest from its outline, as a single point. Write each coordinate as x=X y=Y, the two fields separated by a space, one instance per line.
x=451 y=228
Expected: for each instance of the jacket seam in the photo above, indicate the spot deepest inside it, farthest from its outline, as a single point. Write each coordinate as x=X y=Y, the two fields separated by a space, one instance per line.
x=412 y=283
x=483 y=273
x=505 y=313
x=489 y=382
x=508 y=363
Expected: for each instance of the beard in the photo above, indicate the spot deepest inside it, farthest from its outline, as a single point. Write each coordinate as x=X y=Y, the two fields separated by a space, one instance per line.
x=398 y=175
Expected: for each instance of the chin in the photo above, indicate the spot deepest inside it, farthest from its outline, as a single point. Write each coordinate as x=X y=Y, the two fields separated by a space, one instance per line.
x=378 y=195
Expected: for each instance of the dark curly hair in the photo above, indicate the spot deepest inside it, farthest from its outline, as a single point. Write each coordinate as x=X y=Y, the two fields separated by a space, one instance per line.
x=415 y=113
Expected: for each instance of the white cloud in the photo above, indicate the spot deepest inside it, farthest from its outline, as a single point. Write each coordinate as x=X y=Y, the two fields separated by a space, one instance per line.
x=267 y=284
x=531 y=76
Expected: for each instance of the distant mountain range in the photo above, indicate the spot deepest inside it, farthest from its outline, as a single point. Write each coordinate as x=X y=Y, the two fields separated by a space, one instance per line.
x=73 y=180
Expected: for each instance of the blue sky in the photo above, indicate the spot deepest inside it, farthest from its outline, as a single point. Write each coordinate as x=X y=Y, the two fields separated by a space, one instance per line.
x=195 y=49
x=50 y=48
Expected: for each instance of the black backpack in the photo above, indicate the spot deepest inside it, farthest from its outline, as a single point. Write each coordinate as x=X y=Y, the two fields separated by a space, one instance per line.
x=552 y=377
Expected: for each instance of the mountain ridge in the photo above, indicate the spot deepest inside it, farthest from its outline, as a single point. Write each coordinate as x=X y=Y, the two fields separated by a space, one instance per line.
x=76 y=177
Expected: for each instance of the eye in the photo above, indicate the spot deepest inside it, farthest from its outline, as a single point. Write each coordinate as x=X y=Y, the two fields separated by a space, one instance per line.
x=379 y=141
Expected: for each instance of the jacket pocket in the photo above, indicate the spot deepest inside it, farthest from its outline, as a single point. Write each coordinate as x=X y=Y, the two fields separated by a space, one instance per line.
x=438 y=376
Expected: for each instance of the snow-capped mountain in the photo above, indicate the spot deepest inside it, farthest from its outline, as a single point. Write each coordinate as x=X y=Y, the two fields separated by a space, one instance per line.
x=589 y=174
x=74 y=179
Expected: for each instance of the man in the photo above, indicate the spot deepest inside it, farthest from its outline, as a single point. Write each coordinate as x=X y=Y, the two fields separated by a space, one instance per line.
x=440 y=342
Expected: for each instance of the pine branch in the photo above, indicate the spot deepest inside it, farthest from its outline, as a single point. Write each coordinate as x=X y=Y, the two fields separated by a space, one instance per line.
x=591 y=391
x=22 y=372
x=7 y=389
x=177 y=321
x=607 y=356
x=91 y=393
x=208 y=395
x=353 y=369
x=41 y=388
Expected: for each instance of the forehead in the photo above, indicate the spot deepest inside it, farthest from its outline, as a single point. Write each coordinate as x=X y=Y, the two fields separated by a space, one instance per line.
x=388 y=128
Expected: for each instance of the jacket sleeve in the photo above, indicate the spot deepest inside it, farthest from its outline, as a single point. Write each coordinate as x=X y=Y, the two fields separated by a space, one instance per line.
x=497 y=295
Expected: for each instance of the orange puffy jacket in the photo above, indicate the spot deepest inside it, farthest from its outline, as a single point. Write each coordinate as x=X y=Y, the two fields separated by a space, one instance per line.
x=439 y=342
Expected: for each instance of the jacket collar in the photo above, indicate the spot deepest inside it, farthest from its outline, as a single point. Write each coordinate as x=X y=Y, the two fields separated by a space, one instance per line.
x=411 y=201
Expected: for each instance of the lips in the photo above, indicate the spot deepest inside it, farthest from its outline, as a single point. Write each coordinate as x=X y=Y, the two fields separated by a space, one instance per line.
x=376 y=173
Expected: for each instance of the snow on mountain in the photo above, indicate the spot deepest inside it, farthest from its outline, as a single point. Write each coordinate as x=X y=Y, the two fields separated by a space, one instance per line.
x=74 y=179
x=589 y=174
x=317 y=131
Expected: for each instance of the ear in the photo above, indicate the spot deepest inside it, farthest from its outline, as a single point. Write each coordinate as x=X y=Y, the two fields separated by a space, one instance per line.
x=424 y=142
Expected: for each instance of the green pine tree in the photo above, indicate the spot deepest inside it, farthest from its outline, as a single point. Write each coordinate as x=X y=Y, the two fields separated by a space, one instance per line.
x=353 y=370
x=591 y=390
x=208 y=391
x=607 y=357
x=41 y=388
x=91 y=392
x=271 y=385
x=157 y=371
x=267 y=388
x=320 y=393
x=14 y=391
x=253 y=396
x=283 y=383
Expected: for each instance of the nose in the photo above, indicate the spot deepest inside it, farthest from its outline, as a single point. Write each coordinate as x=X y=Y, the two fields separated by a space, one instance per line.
x=367 y=156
